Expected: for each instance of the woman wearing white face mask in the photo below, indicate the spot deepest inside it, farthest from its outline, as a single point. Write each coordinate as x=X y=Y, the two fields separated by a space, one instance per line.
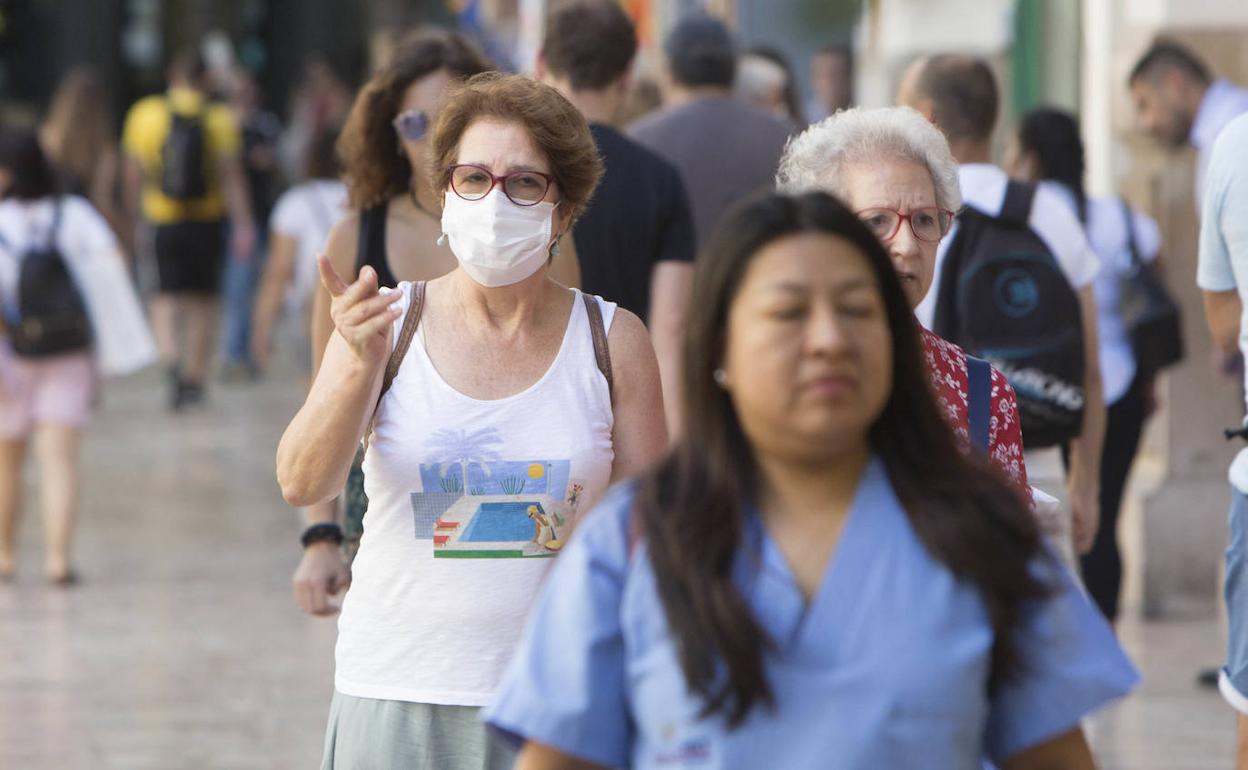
x=490 y=399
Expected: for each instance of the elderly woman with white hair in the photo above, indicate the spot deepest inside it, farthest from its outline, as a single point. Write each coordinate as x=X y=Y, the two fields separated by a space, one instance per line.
x=894 y=169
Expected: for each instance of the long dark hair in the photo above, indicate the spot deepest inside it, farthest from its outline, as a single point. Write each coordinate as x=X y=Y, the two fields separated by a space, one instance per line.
x=22 y=155
x=1053 y=137
x=692 y=506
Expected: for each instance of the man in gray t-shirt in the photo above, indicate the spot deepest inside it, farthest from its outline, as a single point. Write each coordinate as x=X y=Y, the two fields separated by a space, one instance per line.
x=725 y=149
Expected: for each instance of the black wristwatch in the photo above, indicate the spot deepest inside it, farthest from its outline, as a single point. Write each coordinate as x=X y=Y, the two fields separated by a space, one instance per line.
x=326 y=531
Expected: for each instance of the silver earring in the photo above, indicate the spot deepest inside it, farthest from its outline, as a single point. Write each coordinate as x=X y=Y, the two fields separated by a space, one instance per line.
x=554 y=249
x=720 y=377
x=442 y=239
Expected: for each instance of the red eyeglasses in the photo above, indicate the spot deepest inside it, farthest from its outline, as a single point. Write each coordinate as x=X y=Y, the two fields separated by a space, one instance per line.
x=523 y=188
x=929 y=223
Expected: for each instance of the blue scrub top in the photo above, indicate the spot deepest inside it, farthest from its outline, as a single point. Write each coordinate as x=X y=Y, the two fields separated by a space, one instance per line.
x=886 y=667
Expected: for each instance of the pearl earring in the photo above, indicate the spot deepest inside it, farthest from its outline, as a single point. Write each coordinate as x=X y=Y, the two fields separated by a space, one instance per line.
x=442 y=239
x=554 y=249
x=720 y=377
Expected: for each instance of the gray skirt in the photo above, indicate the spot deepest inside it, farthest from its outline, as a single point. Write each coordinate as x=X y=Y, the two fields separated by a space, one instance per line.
x=367 y=734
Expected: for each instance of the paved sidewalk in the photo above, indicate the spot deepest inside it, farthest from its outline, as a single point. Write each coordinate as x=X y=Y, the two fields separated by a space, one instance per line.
x=183 y=648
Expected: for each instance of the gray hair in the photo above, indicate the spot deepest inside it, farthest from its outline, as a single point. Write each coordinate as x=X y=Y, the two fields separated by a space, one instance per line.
x=758 y=79
x=814 y=159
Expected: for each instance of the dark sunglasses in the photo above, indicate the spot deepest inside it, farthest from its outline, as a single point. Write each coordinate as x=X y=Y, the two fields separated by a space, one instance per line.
x=412 y=125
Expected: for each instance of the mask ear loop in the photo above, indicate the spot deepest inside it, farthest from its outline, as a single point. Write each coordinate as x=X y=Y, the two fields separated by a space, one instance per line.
x=554 y=247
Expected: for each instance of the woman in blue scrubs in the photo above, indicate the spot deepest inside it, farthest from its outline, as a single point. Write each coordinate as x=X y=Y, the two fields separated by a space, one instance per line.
x=815 y=577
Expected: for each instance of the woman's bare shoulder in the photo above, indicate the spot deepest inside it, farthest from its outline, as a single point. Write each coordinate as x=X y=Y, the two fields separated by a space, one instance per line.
x=342 y=244
x=628 y=339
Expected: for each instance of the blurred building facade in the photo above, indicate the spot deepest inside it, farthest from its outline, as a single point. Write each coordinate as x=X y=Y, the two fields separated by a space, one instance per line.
x=128 y=42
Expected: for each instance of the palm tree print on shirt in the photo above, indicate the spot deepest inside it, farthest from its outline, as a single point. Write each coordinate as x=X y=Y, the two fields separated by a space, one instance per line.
x=458 y=448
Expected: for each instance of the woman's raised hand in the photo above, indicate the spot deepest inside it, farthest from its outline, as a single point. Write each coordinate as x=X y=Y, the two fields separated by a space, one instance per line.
x=362 y=315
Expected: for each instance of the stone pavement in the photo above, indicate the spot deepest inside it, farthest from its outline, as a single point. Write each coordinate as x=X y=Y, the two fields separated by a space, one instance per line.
x=183 y=649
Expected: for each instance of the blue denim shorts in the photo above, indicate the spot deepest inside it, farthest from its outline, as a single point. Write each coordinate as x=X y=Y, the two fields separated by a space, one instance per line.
x=1233 y=682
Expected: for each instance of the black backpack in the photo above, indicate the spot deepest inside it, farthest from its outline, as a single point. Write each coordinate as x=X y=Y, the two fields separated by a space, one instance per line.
x=183 y=175
x=50 y=316
x=1003 y=297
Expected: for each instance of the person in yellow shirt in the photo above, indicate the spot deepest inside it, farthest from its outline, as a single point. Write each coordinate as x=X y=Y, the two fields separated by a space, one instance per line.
x=184 y=175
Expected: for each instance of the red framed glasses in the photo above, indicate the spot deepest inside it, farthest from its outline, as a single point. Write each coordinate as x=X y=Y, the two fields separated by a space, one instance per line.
x=929 y=223
x=523 y=188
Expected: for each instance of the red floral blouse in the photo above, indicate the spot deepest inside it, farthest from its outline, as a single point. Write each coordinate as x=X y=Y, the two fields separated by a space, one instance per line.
x=946 y=366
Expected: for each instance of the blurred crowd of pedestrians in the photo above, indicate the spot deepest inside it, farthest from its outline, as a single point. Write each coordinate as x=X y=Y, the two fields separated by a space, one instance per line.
x=507 y=293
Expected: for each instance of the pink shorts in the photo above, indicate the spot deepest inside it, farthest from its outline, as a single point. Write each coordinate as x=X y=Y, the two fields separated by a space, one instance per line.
x=55 y=390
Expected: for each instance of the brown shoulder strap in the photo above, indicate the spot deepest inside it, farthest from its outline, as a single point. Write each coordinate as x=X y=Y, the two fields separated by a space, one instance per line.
x=599 y=331
x=410 y=322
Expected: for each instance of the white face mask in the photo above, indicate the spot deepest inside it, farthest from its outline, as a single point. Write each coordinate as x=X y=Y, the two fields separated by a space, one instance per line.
x=497 y=242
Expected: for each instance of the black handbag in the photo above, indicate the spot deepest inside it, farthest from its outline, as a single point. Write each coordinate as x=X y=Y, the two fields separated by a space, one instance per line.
x=1152 y=318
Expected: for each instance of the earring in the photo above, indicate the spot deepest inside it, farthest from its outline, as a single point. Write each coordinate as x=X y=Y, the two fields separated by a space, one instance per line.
x=720 y=377
x=554 y=249
x=442 y=239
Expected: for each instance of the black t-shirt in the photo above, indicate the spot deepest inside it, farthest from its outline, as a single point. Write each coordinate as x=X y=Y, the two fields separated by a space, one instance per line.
x=639 y=216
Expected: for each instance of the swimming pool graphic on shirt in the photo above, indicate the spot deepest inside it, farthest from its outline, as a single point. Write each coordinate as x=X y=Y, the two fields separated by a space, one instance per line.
x=477 y=505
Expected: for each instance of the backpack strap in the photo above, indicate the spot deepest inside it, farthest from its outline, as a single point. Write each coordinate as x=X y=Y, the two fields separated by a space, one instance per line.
x=1136 y=259
x=979 y=401
x=602 y=353
x=410 y=321
x=56 y=222
x=1016 y=208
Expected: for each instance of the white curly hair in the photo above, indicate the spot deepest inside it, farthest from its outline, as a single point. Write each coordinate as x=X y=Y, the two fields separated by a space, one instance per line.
x=814 y=158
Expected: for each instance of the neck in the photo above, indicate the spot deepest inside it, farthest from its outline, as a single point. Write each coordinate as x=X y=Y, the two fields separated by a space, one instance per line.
x=679 y=94
x=425 y=196
x=600 y=106
x=812 y=488
x=1199 y=91
x=968 y=151
x=501 y=307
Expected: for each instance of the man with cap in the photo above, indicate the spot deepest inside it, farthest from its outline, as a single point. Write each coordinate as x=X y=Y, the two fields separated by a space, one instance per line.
x=724 y=149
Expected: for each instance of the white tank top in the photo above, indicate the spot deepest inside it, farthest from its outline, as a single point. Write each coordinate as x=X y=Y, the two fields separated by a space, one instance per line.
x=469 y=501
